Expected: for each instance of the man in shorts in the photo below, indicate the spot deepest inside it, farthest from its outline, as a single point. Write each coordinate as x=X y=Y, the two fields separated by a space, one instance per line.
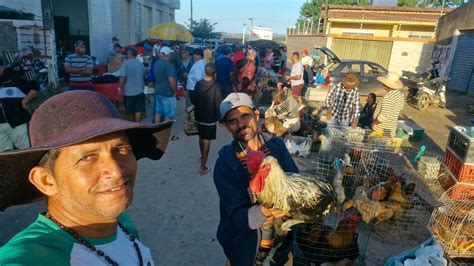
x=296 y=76
x=163 y=78
x=206 y=99
x=131 y=85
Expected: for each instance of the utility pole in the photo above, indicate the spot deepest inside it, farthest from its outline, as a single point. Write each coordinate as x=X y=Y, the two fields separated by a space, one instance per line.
x=251 y=28
x=243 y=35
x=326 y=11
x=191 y=25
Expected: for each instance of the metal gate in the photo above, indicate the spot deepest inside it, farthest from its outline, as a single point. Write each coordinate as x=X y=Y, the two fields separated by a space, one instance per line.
x=353 y=49
x=461 y=75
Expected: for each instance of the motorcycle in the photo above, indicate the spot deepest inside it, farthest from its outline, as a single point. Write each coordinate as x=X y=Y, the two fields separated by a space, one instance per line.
x=416 y=80
x=431 y=92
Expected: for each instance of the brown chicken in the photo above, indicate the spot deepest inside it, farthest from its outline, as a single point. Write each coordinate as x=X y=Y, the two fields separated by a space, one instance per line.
x=370 y=209
x=403 y=194
x=325 y=244
x=382 y=190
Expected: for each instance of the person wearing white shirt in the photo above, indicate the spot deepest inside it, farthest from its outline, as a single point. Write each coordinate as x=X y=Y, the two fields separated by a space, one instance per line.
x=197 y=71
x=296 y=76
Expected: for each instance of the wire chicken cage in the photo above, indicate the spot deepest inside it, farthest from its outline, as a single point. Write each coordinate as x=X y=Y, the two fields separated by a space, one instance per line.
x=452 y=223
x=339 y=238
x=388 y=184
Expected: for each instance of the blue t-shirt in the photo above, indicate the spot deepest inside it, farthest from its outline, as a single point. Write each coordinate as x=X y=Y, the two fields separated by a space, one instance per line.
x=159 y=74
x=134 y=73
x=224 y=67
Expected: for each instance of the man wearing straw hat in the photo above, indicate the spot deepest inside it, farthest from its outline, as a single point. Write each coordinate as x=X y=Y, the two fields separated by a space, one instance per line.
x=342 y=103
x=84 y=161
x=387 y=111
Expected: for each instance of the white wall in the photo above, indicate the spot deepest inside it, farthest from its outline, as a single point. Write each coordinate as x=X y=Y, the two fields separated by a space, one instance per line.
x=411 y=56
x=100 y=28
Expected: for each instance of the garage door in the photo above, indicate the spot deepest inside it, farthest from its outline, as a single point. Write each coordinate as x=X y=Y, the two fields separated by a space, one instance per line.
x=461 y=76
x=375 y=51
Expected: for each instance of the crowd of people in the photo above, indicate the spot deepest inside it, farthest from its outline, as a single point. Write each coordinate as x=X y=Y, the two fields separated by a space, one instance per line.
x=83 y=155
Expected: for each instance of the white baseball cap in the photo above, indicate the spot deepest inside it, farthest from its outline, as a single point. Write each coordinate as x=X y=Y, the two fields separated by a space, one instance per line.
x=233 y=101
x=165 y=50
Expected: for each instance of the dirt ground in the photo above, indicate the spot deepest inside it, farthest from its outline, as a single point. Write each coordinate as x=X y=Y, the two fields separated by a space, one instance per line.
x=176 y=210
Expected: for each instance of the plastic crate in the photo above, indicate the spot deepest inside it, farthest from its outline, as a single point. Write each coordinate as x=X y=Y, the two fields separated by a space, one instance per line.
x=409 y=131
x=460 y=143
x=461 y=191
x=463 y=172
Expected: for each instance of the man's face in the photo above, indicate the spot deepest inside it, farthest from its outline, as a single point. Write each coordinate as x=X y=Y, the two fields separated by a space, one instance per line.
x=295 y=59
x=196 y=57
x=242 y=123
x=80 y=49
x=95 y=179
x=184 y=54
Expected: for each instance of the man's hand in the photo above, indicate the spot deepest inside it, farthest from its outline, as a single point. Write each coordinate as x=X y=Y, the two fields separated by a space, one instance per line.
x=354 y=123
x=328 y=115
x=119 y=91
x=24 y=103
x=375 y=122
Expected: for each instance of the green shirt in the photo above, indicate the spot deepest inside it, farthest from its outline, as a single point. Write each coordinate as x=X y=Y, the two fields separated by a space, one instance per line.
x=45 y=243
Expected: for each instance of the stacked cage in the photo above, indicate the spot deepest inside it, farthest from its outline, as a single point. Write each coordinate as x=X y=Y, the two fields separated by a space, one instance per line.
x=452 y=225
x=459 y=163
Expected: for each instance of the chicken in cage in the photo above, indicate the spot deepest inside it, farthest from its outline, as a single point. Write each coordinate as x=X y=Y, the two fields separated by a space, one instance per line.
x=283 y=115
x=452 y=223
x=338 y=240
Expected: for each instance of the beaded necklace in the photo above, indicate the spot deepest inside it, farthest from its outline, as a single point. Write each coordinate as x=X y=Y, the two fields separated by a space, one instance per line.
x=89 y=245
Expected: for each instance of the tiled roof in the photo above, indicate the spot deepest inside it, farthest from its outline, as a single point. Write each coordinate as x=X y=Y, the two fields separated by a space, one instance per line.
x=384 y=13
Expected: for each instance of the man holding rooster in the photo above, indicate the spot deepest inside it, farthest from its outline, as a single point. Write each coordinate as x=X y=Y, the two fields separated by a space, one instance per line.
x=242 y=218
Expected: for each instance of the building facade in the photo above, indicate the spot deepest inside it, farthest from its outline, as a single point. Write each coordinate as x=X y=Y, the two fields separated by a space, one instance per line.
x=383 y=21
x=97 y=21
x=398 y=38
x=455 y=48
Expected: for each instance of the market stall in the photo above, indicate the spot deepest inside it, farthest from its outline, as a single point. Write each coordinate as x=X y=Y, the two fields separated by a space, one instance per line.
x=389 y=188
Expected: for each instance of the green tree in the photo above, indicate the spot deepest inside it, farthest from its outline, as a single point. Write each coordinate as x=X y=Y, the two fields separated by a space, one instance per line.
x=311 y=10
x=203 y=29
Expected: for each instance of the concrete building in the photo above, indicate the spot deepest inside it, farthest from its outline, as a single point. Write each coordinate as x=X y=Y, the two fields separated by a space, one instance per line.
x=93 y=21
x=383 y=21
x=455 y=48
x=398 y=38
x=97 y=21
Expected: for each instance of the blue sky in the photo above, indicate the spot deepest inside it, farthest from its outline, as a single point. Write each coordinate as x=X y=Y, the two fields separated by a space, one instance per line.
x=230 y=15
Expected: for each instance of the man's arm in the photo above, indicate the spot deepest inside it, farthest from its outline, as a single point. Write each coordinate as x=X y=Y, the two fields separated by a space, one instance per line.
x=172 y=81
x=30 y=96
x=235 y=200
x=356 y=110
x=121 y=85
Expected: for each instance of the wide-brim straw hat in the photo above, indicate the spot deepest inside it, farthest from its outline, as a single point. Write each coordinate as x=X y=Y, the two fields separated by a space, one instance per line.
x=350 y=81
x=67 y=119
x=392 y=81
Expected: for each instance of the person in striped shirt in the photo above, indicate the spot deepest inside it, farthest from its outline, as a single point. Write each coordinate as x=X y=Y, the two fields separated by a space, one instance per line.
x=387 y=111
x=79 y=66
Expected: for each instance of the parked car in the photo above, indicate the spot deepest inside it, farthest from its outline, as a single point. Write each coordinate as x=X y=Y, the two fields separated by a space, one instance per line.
x=367 y=71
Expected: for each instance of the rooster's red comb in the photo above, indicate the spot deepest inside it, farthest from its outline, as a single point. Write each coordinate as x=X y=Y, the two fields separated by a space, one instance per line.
x=254 y=160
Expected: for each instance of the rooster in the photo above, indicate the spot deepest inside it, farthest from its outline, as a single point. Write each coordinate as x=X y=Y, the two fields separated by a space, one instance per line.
x=301 y=198
x=324 y=244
